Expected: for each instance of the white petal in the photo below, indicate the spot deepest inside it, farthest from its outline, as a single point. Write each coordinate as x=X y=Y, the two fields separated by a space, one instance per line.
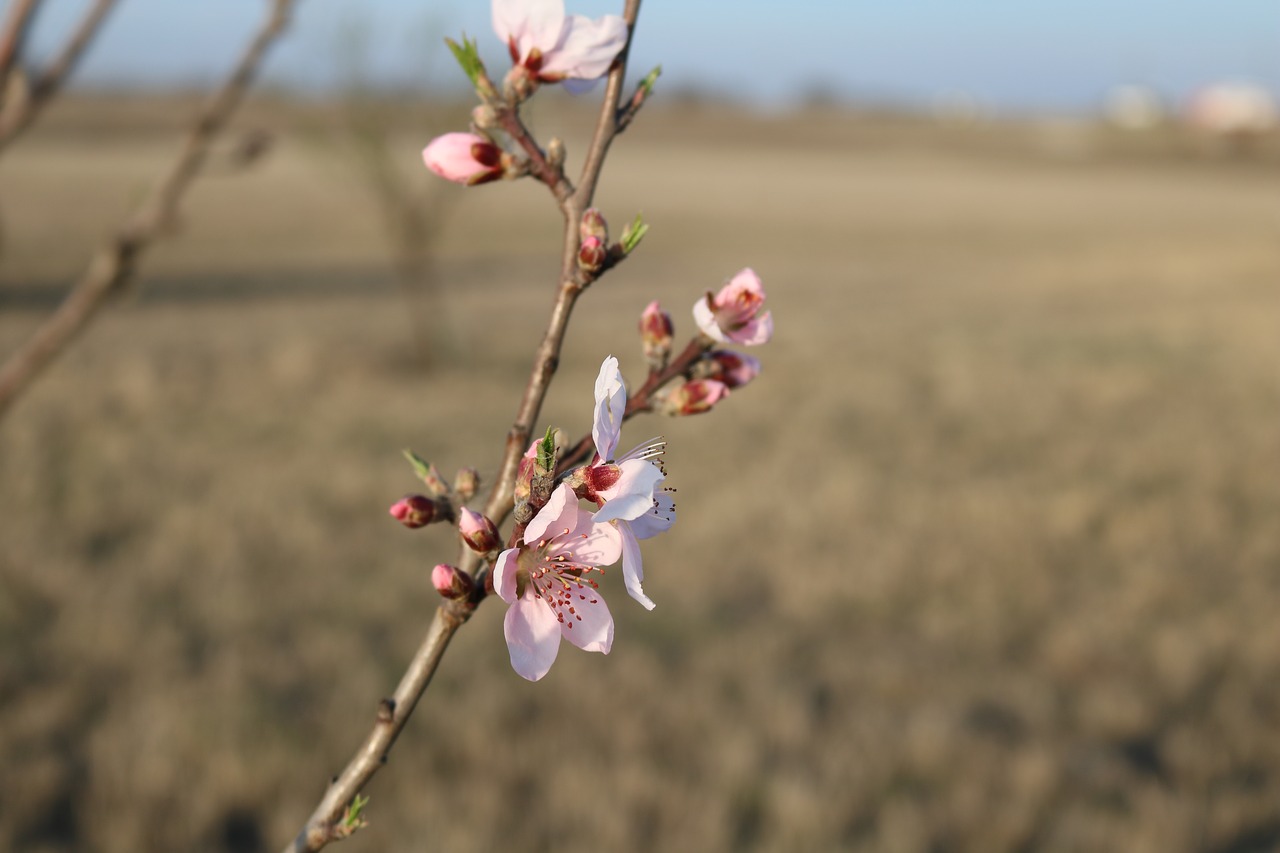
x=633 y=566
x=533 y=636
x=530 y=23
x=592 y=545
x=588 y=47
x=590 y=625
x=706 y=320
x=657 y=520
x=611 y=405
x=632 y=495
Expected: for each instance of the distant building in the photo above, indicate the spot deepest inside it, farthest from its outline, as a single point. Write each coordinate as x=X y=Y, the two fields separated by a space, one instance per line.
x=1232 y=109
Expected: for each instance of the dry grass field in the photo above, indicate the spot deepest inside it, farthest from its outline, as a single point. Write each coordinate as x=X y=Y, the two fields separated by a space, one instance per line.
x=988 y=558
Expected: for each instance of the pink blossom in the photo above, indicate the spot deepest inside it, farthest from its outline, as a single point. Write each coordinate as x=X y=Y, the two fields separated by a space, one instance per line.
x=546 y=582
x=477 y=531
x=553 y=46
x=465 y=158
x=733 y=315
x=414 y=511
x=656 y=330
x=451 y=582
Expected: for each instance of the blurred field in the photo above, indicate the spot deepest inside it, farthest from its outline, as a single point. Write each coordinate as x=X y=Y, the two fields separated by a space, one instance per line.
x=988 y=559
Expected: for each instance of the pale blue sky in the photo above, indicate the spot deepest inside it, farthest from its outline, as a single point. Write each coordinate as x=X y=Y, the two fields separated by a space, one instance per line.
x=1009 y=54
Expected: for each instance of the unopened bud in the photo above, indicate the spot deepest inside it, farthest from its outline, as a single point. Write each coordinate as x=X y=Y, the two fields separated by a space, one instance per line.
x=734 y=369
x=555 y=152
x=693 y=397
x=592 y=255
x=655 y=335
x=593 y=225
x=480 y=534
x=451 y=582
x=484 y=117
x=414 y=511
x=466 y=483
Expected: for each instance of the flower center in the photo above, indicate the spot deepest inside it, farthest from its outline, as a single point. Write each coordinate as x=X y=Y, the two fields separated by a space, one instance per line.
x=558 y=580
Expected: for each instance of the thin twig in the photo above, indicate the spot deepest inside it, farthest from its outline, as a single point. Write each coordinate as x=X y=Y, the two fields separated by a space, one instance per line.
x=115 y=262
x=13 y=37
x=324 y=824
x=19 y=116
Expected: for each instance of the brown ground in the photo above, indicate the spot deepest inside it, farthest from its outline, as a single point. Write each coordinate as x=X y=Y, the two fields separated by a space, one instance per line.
x=988 y=559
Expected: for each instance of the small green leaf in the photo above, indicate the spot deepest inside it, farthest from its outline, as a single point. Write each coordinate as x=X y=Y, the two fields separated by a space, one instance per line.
x=633 y=234
x=547 y=450
x=420 y=466
x=646 y=85
x=468 y=58
x=353 y=819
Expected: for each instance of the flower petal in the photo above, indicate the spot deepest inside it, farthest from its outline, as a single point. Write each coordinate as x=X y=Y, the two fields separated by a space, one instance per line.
x=591 y=544
x=655 y=521
x=587 y=47
x=611 y=405
x=590 y=625
x=705 y=317
x=757 y=331
x=560 y=511
x=633 y=565
x=530 y=23
x=533 y=636
x=632 y=495
x=504 y=575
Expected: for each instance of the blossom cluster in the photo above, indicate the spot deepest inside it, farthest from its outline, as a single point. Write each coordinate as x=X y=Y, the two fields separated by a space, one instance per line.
x=576 y=515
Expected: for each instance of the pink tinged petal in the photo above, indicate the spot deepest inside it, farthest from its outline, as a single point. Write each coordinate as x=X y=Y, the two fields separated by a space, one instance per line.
x=533 y=636
x=589 y=625
x=529 y=24
x=587 y=47
x=504 y=575
x=633 y=565
x=632 y=495
x=657 y=520
x=757 y=331
x=594 y=545
x=560 y=511
x=611 y=406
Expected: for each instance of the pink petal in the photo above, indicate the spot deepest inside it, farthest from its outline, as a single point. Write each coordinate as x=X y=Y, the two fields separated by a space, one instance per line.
x=533 y=636
x=530 y=23
x=452 y=157
x=757 y=331
x=633 y=566
x=590 y=626
x=592 y=544
x=504 y=575
x=560 y=511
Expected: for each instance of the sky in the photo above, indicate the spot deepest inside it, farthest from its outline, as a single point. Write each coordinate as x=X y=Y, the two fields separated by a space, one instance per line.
x=1006 y=55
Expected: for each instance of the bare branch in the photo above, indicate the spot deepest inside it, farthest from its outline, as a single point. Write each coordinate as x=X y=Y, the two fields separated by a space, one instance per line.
x=114 y=264
x=18 y=117
x=13 y=37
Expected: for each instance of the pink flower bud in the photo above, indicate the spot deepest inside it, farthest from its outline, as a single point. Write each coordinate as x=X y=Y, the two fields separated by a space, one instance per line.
x=414 y=511
x=592 y=255
x=467 y=483
x=734 y=369
x=655 y=335
x=478 y=532
x=465 y=158
x=451 y=582
x=694 y=397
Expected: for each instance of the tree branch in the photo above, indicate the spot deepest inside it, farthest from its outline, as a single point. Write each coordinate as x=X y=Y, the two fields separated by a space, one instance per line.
x=13 y=37
x=324 y=825
x=115 y=262
x=18 y=116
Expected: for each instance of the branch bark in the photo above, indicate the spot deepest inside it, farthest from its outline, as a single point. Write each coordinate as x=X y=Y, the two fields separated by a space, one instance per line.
x=113 y=266
x=13 y=37
x=326 y=822
x=18 y=116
